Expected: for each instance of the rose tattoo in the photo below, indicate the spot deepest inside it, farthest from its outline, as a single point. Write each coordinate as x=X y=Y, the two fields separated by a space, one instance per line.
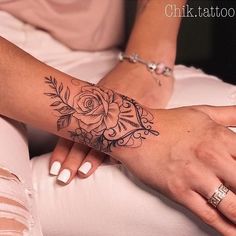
x=97 y=110
x=104 y=118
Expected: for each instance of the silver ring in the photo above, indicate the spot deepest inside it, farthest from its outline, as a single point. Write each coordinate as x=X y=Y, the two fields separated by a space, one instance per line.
x=218 y=195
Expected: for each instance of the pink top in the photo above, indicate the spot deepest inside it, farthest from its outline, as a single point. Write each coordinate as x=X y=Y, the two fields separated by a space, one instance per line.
x=79 y=24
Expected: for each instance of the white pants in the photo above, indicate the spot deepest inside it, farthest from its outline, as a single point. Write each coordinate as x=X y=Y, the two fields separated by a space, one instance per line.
x=111 y=202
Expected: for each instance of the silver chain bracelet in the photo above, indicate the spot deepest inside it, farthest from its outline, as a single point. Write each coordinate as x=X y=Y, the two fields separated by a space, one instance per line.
x=153 y=67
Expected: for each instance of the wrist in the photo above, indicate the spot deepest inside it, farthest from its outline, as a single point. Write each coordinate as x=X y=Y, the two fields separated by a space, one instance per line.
x=156 y=68
x=137 y=82
x=164 y=52
x=132 y=155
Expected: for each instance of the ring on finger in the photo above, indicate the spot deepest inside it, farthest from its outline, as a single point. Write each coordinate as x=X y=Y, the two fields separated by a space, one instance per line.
x=218 y=195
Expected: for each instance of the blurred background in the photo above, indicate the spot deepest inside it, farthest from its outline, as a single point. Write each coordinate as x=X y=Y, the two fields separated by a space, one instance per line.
x=204 y=42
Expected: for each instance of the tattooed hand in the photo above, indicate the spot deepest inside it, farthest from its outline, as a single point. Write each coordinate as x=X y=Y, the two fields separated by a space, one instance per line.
x=186 y=153
x=192 y=156
x=71 y=156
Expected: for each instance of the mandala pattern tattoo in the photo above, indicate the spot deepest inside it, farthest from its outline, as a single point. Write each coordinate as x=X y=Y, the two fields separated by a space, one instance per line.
x=104 y=119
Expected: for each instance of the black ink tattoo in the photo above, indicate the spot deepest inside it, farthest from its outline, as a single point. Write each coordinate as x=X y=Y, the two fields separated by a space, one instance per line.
x=104 y=118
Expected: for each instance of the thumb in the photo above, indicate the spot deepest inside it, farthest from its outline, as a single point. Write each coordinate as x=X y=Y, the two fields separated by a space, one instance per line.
x=224 y=115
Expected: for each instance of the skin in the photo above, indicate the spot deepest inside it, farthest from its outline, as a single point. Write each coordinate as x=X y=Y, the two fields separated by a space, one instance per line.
x=73 y=155
x=193 y=153
x=150 y=40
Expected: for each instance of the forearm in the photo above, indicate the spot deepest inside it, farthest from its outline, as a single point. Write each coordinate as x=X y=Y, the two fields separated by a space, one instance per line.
x=22 y=87
x=153 y=38
x=39 y=95
x=154 y=34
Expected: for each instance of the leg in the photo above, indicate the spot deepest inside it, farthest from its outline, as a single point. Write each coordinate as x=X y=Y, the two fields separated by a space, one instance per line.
x=7 y=222
x=110 y=202
x=17 y=207
x=193 y=87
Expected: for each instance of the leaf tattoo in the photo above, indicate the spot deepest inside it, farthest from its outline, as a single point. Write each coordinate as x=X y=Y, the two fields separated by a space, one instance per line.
x=104 y=118
x=65 y=110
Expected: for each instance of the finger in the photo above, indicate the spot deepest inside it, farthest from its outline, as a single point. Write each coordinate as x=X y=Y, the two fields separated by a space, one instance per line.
x=227 y=206
x=90 y=163
x=221 y=163
x=73 y=161
x=224 y=115
x=209 y=215
x=230 y=142
x=225 y=171
x=59 y=155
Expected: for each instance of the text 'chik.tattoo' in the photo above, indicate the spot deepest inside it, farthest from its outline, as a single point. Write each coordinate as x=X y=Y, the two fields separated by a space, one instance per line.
x=103 y=118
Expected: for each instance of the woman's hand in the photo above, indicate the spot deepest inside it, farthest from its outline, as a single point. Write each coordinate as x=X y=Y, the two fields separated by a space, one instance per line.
x=131 y=80
x=69 y=157
x=153 y=42
x=193 y=154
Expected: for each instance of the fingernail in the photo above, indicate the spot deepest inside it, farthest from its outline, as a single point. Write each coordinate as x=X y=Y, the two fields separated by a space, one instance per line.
x=85 y=168
x=55 y=168
x=64 y=176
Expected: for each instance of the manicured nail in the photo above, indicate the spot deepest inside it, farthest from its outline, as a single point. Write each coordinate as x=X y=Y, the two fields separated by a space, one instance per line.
x=85 y=168
x=55 y=168
x=64 y=176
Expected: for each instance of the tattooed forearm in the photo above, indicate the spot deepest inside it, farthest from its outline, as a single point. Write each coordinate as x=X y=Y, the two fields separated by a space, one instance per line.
x=104 y=119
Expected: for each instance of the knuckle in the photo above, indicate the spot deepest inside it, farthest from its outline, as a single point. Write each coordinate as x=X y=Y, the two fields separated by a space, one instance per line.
x=177 y=189
x=207 y=153
x=201 y=150
x=210 y=217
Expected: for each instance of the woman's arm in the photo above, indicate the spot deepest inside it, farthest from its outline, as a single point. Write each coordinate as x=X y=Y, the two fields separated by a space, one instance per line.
x=35 y=93
x=154 y=38
x=185 y=153
x=154 y=34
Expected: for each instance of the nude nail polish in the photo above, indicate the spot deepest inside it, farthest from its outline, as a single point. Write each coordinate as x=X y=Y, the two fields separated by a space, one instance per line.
x=64 y=176
x=85 y=168
x=55 y=168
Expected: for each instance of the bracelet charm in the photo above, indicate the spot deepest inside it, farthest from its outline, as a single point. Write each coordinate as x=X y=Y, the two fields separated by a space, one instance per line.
x=153 y=67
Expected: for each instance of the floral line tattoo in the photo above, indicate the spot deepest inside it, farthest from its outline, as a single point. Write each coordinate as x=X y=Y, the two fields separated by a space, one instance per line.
x=104 y=119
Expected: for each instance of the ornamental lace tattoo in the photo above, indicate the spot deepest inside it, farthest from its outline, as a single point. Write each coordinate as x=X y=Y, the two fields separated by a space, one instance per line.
x=104 y=119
